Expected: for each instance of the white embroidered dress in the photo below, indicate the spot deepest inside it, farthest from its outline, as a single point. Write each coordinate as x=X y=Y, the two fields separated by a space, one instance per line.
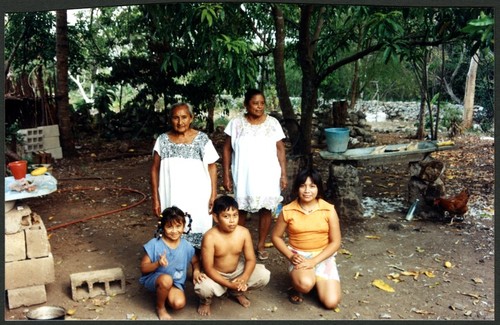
x=184 y=180
x=254 y=164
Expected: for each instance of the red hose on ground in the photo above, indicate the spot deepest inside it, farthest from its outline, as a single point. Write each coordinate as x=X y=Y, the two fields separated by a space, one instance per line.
x=101 y=214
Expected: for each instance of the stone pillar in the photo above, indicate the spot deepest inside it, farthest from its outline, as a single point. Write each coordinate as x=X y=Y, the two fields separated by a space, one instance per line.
x=426 y=185
x=29 y=263
x=345 y=191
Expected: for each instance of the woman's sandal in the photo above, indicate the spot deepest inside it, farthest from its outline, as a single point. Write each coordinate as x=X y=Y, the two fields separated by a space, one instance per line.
x=262 y=255
x=295 y=297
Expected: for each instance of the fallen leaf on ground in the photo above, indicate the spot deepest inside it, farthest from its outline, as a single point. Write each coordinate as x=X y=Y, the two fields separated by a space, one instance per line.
x=70 y=312
x=448 y=264
x=372 y=237
x=429 y=274
x=422 y=312
x=477 y=280
x=382 y=285
x=345 y=252
x=357 y=275
x=473 y=295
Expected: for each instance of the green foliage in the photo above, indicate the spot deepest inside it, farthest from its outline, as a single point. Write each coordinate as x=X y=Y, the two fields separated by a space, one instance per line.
x=221 y=121
x=160 y=53
x=11 y=135
x=480 y=31
x=450 y=116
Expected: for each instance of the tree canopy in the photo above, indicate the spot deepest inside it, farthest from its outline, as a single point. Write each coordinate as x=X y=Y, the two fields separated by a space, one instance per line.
x=145 y=57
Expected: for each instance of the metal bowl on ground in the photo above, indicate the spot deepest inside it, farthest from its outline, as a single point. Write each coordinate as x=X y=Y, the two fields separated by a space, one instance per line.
x=46 y=313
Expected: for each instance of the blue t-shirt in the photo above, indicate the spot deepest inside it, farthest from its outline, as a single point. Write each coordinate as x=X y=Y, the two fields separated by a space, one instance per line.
x=178 y=260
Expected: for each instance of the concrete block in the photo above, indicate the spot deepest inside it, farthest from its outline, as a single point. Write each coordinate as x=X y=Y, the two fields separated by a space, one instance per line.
x=95 y=283
x=26 y=296
x=50 y=130
x=16 y=218
x=31 y=272
x=29 y=133
x=55 y=152
x=15 y=247
x=37 y=242
x=32 y=147
x=51 y=142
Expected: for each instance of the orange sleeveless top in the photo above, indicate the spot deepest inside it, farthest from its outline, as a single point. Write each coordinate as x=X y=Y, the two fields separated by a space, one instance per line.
x=308 y=232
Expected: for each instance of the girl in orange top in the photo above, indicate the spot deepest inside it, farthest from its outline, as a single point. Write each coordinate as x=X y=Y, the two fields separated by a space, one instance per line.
x=314 y=238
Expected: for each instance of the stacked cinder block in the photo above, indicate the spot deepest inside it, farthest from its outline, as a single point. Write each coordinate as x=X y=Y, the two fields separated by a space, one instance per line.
x=42 y=139
x=29 y=263
x=95 y=283
x=33 y=139
x=51 y=143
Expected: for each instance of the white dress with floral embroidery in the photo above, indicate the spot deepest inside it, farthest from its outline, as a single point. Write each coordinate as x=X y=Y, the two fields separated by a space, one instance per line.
x=184 y=180
x=254 y=164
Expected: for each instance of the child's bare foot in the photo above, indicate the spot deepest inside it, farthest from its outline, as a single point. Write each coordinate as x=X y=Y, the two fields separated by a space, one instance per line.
x=162 y=314
x=204 y=310
x=243 y=300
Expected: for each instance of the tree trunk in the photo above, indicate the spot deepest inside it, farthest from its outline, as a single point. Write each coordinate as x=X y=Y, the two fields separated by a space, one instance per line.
x=279 y=64
x=289 y=117
x=470 y=88
x=62 y=98
x=309 y=94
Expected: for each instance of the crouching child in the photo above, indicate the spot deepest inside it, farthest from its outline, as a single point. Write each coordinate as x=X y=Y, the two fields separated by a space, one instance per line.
x=228 y=258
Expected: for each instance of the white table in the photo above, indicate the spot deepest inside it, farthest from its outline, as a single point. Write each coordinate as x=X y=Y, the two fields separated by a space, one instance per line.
x=45 y=184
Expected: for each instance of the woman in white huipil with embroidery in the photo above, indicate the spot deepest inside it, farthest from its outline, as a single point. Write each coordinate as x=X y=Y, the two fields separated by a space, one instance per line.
x=184 y=173
x=254 y=161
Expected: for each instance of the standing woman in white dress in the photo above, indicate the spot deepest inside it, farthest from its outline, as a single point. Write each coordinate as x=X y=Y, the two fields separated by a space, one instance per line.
x=184 y=173
x=254 y=162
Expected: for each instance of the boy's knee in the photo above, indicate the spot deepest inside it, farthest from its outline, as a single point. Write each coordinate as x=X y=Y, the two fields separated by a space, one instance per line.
x=261 y=275
x=202 y=290
x=266 y=276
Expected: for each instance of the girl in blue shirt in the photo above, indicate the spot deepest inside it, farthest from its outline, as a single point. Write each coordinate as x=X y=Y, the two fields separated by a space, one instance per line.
x=165 y=262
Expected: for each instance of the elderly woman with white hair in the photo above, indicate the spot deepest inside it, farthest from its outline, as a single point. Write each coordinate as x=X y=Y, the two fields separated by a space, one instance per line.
x=184 y=173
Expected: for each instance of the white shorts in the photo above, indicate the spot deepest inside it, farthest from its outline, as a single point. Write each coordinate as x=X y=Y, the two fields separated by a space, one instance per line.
x=326 y=270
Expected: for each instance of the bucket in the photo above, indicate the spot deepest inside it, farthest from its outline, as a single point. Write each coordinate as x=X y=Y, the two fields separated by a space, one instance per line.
x=46 y=313
x=337 y=139
x=18 y=168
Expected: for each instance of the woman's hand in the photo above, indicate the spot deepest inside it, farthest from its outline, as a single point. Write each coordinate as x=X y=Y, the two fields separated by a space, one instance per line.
x=300 y=262
x=227 y=183
x=156 y=208
x=306 y=264
x=296 y=259
x=283 y=182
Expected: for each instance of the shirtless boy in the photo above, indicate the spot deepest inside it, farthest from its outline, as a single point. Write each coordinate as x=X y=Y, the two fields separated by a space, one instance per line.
x=221 y=251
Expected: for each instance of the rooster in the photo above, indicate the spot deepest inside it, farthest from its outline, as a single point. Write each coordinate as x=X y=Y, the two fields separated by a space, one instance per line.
x=456 y=206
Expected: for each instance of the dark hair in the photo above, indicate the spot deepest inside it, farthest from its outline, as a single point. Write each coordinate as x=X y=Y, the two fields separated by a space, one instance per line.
x=301 y=179
x=224 y=202
x=250 y=93
x=170 y=216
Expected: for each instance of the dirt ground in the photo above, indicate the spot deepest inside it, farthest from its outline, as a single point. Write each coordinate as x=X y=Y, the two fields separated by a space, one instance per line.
x=409 y=256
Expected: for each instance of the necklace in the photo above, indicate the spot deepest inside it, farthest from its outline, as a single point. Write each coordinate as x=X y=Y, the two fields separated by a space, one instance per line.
x=309 y=210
